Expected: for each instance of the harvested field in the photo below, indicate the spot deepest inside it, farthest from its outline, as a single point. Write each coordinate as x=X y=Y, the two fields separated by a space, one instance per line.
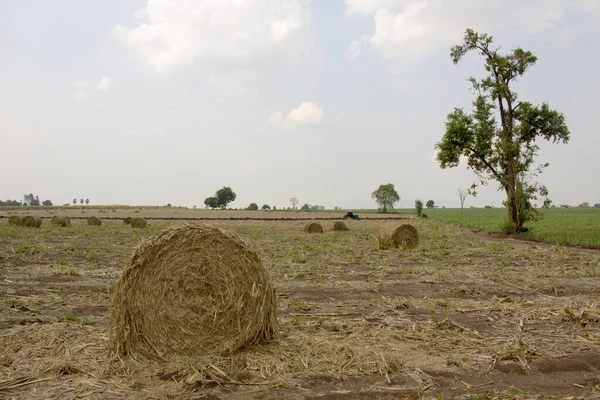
x=461 y=316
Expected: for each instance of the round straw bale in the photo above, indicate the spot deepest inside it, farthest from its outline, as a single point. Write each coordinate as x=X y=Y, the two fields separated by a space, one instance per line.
x=127 y=220
x=138 y=222
x=393 y=236
x=192 y=290
x=61 y=220
x=313 y=227
x=31 y=221
x=340 y=226
x=95 y=221
x=14 y=220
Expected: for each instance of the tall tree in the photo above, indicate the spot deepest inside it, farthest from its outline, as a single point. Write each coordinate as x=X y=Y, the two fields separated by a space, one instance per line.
x=294 y=202
x=386 y=196
x=462 y=194
x=499 y=137
x=225 y=196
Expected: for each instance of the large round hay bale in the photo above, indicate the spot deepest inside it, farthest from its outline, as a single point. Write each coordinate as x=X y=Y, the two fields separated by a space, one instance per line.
x=61 y=220
x=138 y=222
x=313 y=227
x=394 y=236
x=31 y=221
x=340 y=226
x=192 y=290
x=127 y=220
x=14 y=220
x=94 y=221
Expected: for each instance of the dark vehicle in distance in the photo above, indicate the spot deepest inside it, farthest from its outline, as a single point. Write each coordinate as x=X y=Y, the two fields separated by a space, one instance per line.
x=350 y=214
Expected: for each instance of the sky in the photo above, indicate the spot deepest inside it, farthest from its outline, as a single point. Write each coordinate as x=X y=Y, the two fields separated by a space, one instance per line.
x=166 y=101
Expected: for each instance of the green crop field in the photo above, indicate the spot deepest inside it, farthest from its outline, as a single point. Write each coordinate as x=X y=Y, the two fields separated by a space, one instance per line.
x=575 y=226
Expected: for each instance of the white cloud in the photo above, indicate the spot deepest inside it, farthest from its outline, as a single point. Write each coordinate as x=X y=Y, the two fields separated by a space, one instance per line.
x=216 y=33
x=370 y=6
x=87 y=89
x=411 y=29
x=308 y=113
x=105 y=84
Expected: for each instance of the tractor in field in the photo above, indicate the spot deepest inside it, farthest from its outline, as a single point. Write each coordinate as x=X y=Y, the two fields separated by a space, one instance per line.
x=350 y=214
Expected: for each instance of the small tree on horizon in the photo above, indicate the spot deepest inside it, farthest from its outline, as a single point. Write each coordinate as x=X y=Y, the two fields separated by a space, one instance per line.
x=305 y=207
x=462 y=194
x=253 y=207
x=386 y=196
x=294 y=202
x=81 y=201
x=87 y=202
x=419 y=207
x=211 y=202
x=75 y=201
x=430 y=204
x=225 y=196
x=266 y=207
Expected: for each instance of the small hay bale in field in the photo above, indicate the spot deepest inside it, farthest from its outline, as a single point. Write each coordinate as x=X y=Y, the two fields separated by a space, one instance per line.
x=313 y=227
x=94 y=221
x=127 y=220
x=31 y=221
x=61 y=220
x=138 y=222
x=193 y=290
x=340 y=226
x=14 y=220
x=393 y=236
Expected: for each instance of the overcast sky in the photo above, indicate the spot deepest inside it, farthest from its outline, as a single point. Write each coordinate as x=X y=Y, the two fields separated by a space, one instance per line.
x=165 y=101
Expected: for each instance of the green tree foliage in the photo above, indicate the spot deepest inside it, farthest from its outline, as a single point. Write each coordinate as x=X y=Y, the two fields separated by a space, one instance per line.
x=87 y=201
x=253 y=206
x=81 y=201
x=9 y=203
x=266 y=207
x=430 y=204
x=597 y=205
x=46 y=203
x=225 y=196
x=386 y=196
x=211 y=202
x=305 y=207
x=499 y=137
x=585 y=204
x=419 y=207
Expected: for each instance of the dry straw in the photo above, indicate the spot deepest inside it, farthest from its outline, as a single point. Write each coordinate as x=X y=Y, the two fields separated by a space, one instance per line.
x=313 y=227
x=393 y=236
x=340 y=226
x=61 y=220
x=193 y=290
x=127 y=220
x=14 y=220
x=138 y=222
x=94 y=221
x=31 y=221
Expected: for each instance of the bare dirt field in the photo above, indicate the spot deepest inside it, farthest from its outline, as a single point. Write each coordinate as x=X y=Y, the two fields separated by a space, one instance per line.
x=464 y=315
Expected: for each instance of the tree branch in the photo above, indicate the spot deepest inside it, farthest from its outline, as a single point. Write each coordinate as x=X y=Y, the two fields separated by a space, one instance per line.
x=489 y=166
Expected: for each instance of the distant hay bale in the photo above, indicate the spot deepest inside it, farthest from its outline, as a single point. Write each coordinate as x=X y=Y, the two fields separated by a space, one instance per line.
x=393 y=236
x=192 y=290
x=340 y=226
x=94 y=221
x=14 y=220
x=61 y=220
x=138 y=222
x=31 y=221
x=127 y=220
x=313 y=227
